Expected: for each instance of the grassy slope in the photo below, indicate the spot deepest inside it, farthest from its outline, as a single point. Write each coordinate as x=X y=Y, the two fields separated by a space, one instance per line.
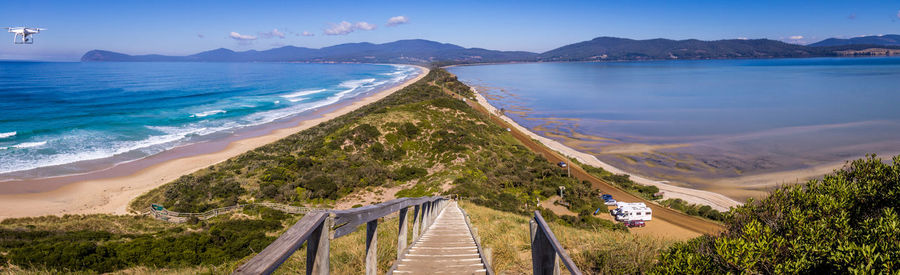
x=594 y=251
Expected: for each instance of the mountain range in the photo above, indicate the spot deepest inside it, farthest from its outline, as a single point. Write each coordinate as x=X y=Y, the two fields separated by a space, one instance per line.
x=884 y=40
x=418 y=51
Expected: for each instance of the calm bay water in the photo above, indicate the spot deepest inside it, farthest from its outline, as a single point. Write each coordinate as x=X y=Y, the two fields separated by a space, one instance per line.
x=59 y=114
x=691 y=119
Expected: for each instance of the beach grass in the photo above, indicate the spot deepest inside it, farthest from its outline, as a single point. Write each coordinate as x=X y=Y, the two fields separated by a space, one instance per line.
x=598 y=251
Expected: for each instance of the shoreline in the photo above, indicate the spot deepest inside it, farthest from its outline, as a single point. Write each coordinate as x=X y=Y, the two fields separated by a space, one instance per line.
x=717 y=201
x=112 y=193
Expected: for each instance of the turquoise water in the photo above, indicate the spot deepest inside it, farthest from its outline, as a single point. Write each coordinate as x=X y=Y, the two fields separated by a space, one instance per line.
x=732 y=116
x=59 y=114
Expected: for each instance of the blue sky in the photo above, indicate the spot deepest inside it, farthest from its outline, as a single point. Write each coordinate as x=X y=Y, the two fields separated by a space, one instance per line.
x=186 y=27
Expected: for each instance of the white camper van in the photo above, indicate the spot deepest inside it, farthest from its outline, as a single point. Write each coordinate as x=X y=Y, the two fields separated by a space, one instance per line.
x=633 y=211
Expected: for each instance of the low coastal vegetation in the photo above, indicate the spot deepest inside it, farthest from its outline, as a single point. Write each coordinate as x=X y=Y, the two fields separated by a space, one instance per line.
x=704 y=211
x=846 y=223
x=104 y=243
x=624 y=181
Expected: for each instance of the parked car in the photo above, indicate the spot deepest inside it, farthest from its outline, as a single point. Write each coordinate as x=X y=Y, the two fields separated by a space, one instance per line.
x=635 y=223
x=610 y=202
x=606 y=197
x=562 y=164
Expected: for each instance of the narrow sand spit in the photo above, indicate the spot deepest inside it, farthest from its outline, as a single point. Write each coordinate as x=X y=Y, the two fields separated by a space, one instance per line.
x=717 y=201
x=112 y=195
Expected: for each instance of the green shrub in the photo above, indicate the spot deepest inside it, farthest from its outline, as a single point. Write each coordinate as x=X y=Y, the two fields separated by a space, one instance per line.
x=705 y=211
x=845 y=223
x=100 y=251
x=408 y=130
x=406 y=173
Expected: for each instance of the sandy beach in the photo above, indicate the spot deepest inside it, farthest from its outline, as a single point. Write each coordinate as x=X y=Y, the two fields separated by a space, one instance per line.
x=111 y=195
x=716 y=200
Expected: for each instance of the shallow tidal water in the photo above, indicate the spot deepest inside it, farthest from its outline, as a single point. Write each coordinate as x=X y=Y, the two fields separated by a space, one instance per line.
x=697 y=122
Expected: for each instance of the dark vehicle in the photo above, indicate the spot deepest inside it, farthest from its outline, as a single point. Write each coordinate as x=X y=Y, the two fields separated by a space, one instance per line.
x=562 y=164
x=606 y=197
x=635 y=223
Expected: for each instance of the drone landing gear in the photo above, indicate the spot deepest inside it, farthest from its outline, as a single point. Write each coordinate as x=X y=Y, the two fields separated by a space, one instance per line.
x=25 y=39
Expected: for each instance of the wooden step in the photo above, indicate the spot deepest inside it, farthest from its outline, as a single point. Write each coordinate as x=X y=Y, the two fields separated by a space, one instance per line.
x=447 y=247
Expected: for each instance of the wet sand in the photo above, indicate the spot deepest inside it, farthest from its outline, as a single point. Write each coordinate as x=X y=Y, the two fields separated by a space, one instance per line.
x=109 y=191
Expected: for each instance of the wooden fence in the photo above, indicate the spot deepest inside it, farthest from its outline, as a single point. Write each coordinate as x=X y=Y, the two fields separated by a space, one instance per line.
x=317 y=228
x=546 y=252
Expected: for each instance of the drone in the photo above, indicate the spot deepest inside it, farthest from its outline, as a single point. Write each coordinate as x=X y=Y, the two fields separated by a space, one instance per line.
x=25 y=33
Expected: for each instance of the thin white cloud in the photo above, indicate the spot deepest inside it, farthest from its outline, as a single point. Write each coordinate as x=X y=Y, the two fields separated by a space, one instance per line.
x=397 y=20
x=898 y=14
x=241 y=37
x=796 y=37
x=305 y=33
x=272 y=34
x=342 y=28
x=345 y=28
x=364 y=26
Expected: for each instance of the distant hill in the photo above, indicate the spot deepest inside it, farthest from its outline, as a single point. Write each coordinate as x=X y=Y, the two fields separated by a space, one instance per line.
x=880 y=40
x=418 y=51
x=612 y=48
x=415 y=51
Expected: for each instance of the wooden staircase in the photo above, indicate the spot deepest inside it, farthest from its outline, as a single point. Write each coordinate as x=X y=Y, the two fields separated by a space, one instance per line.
x=447 y=247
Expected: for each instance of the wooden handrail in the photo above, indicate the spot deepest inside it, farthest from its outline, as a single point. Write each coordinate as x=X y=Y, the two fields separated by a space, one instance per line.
x=318 y=228
x=276 y=253
x=546 y=250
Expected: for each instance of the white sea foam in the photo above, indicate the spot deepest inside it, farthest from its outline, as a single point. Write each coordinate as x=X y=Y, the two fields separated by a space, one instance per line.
x=302 y=93
x=353 y=84
x=83 y=149
x=208 y=113
x=7 y=134
x=26 y=145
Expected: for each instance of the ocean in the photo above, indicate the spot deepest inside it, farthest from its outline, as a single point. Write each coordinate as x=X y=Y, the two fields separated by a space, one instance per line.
x=698 y=122
x=56 y=117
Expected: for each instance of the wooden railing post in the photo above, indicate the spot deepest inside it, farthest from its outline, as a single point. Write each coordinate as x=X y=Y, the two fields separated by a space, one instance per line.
x=401 y=234
x=317 y=248
x=372 y=247
x=543 y=255
x=416 y=220
x=425 y=207
x=546 y=251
